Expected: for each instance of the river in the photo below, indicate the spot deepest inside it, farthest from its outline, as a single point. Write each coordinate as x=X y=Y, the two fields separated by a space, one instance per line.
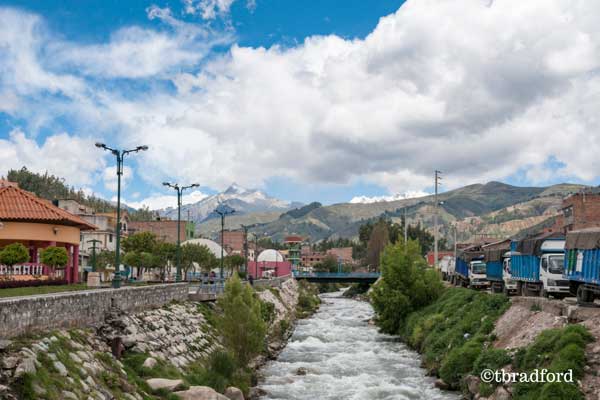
x=346 y=359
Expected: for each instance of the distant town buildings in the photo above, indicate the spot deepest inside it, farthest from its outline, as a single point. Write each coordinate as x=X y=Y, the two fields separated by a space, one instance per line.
x=579 y=211
x=164 y=229
x=233 y=241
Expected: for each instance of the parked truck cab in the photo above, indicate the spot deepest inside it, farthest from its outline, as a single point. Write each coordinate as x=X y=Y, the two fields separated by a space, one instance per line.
x=510 y=285
x=477 y=275
x=536 y=266
x=582 y=264
x=495 y=255
x=470 y=268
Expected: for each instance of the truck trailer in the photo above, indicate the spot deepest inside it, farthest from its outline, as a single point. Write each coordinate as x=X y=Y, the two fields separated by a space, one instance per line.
x=537 y=265
x=495 y=255
x=582 y=264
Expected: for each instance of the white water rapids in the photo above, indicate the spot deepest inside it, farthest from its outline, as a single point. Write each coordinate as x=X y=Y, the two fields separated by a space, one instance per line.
x=346 y=359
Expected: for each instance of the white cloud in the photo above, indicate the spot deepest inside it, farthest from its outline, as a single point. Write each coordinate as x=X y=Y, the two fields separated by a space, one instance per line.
x=110 y=178
x=160 y=201
x=73 y=158
x=208 y=9
x=476 y=89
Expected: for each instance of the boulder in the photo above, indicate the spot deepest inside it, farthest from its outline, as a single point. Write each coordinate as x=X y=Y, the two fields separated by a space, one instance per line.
x=27 y=366
x=167 y=384
x=256 y=392
x=501 y=394
x=4 y=344
x=10 y=362
x=233 y=393
x=66 y=395
x=301 y=371
x=60 y=367
x=150 y=362
x=440 y=384
x=200 y=393
x=472 y=383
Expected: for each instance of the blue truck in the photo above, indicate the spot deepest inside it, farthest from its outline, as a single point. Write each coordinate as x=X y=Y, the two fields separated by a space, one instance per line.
x=582 y=264
x=495 y=257
x=470 y=268
x=537 y=265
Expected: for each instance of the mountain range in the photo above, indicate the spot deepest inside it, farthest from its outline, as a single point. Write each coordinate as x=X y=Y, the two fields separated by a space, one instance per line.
x=243 y=201
x=492 y=209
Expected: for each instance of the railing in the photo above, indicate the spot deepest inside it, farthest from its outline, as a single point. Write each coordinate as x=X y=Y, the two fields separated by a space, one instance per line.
x=23 y=269
x=214 y=286
x=331 y=275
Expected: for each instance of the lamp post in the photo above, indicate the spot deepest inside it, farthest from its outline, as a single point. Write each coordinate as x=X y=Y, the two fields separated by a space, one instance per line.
x=179 y=190
x=93 y=242
x=120 y=155
x=223 y=210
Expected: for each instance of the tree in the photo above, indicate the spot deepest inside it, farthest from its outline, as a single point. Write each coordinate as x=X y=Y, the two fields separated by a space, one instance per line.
x=140 y=242
x=241 y=324
x=104 y=261
x=329 y=264
x=165 y=254
x=406 y=285
x=14 y=253
x=234 y=262
x=377 y=241
x=55 y=257
x=192 y=254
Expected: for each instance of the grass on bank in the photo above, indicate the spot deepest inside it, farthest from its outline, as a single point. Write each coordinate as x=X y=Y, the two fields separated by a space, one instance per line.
x=33 y=290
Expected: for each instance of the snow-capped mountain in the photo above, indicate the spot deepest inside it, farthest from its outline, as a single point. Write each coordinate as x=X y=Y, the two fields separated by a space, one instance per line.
x=242 y=200
x=378 y=199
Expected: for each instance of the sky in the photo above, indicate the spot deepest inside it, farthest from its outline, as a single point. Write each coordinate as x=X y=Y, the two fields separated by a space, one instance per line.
x=308 y=101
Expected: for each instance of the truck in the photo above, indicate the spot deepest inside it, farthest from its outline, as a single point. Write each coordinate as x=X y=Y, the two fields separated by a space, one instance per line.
x=470 y=268
x=582 y=264
x=537 y=265
x=495 y=255
x=510 y=285
x=446 y=266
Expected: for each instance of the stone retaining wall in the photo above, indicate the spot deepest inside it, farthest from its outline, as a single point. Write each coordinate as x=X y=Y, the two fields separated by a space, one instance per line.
x=80 y=309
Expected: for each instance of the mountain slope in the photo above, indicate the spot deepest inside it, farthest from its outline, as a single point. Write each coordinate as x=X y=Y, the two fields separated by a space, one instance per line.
x=493 y=208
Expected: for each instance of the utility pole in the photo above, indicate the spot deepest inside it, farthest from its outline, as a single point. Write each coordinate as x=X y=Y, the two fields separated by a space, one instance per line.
x=245 y=228
x=455 y=232
x=223 y=210
x=438 y=178
x=405 y=230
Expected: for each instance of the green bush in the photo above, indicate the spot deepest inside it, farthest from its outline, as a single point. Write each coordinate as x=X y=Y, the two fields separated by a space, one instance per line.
x=407 y=284
x=459 y=362
x=491 y=358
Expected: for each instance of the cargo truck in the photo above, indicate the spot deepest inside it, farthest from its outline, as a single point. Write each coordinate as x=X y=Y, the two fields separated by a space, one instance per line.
x=510 y=285
x=494 y=257
x=537 y=265
x=582 y=264
x=470 y=268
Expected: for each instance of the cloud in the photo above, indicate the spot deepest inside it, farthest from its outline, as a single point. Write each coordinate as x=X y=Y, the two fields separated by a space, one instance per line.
x=208 y=9
x=160 y=201
x=110 y=178
x=73 y=158
x=479 y=90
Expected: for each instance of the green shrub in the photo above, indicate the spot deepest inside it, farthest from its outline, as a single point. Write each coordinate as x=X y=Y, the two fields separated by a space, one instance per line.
x=491 y=358
x=459 y=362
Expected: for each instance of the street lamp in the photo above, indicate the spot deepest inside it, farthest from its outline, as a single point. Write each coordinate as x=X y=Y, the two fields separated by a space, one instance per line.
x=223 y=210
x=179 y=194
x=120 y=155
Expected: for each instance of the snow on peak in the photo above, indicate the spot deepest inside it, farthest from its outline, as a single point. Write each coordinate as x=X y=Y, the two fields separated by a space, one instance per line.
x=377 y=199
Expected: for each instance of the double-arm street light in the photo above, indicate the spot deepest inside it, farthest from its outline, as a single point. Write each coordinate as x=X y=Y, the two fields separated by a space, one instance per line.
x=120 y=155
x=223 y=210
x=179 y=190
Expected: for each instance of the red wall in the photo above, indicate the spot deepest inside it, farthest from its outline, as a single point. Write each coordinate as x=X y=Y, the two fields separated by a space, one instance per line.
x=280 y=268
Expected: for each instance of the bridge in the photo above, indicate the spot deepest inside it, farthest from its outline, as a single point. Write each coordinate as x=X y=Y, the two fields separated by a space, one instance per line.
x=338 y=277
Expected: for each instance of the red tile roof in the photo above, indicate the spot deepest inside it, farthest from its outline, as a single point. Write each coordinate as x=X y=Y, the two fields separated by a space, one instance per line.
x=19 y=205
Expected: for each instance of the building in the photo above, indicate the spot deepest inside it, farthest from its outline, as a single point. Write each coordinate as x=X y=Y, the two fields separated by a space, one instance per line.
x=270 y=263
x=580 y=211
x=165 y=230
x=343 y=254
x=294 y=247
x=103 y=238
x=310 y=260
x=37 y=224
x=441 y=254
x=233 y=241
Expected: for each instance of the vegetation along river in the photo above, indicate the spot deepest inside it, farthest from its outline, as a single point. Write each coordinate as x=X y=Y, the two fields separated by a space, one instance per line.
x=345 y=358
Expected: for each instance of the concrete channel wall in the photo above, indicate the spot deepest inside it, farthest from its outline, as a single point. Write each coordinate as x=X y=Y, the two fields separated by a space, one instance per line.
x=21 y=315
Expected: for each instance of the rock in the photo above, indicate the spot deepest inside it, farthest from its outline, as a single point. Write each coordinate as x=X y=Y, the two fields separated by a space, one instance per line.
x=168 y=384
x=52 y=356
x=66 y=395
x=255 y=393
x=472 y=383
x=9 y=362
x=60 y=367
x=200 y=393
x=75 y=358
x=233 y=393
x=37 y=389
x=27 y=366
x=440 y=384
x=301 y=371
x=4 y=344
x=149 y=363
x=501 y=394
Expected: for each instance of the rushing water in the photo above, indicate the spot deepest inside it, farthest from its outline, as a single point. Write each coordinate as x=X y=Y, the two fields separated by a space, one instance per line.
x=346 y=359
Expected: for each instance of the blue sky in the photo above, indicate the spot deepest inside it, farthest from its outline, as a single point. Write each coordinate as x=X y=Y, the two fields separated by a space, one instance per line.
x=309 y=101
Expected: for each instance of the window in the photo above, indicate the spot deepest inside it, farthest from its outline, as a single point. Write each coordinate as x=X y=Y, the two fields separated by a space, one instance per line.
x=110 y=238
x=545 y=264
